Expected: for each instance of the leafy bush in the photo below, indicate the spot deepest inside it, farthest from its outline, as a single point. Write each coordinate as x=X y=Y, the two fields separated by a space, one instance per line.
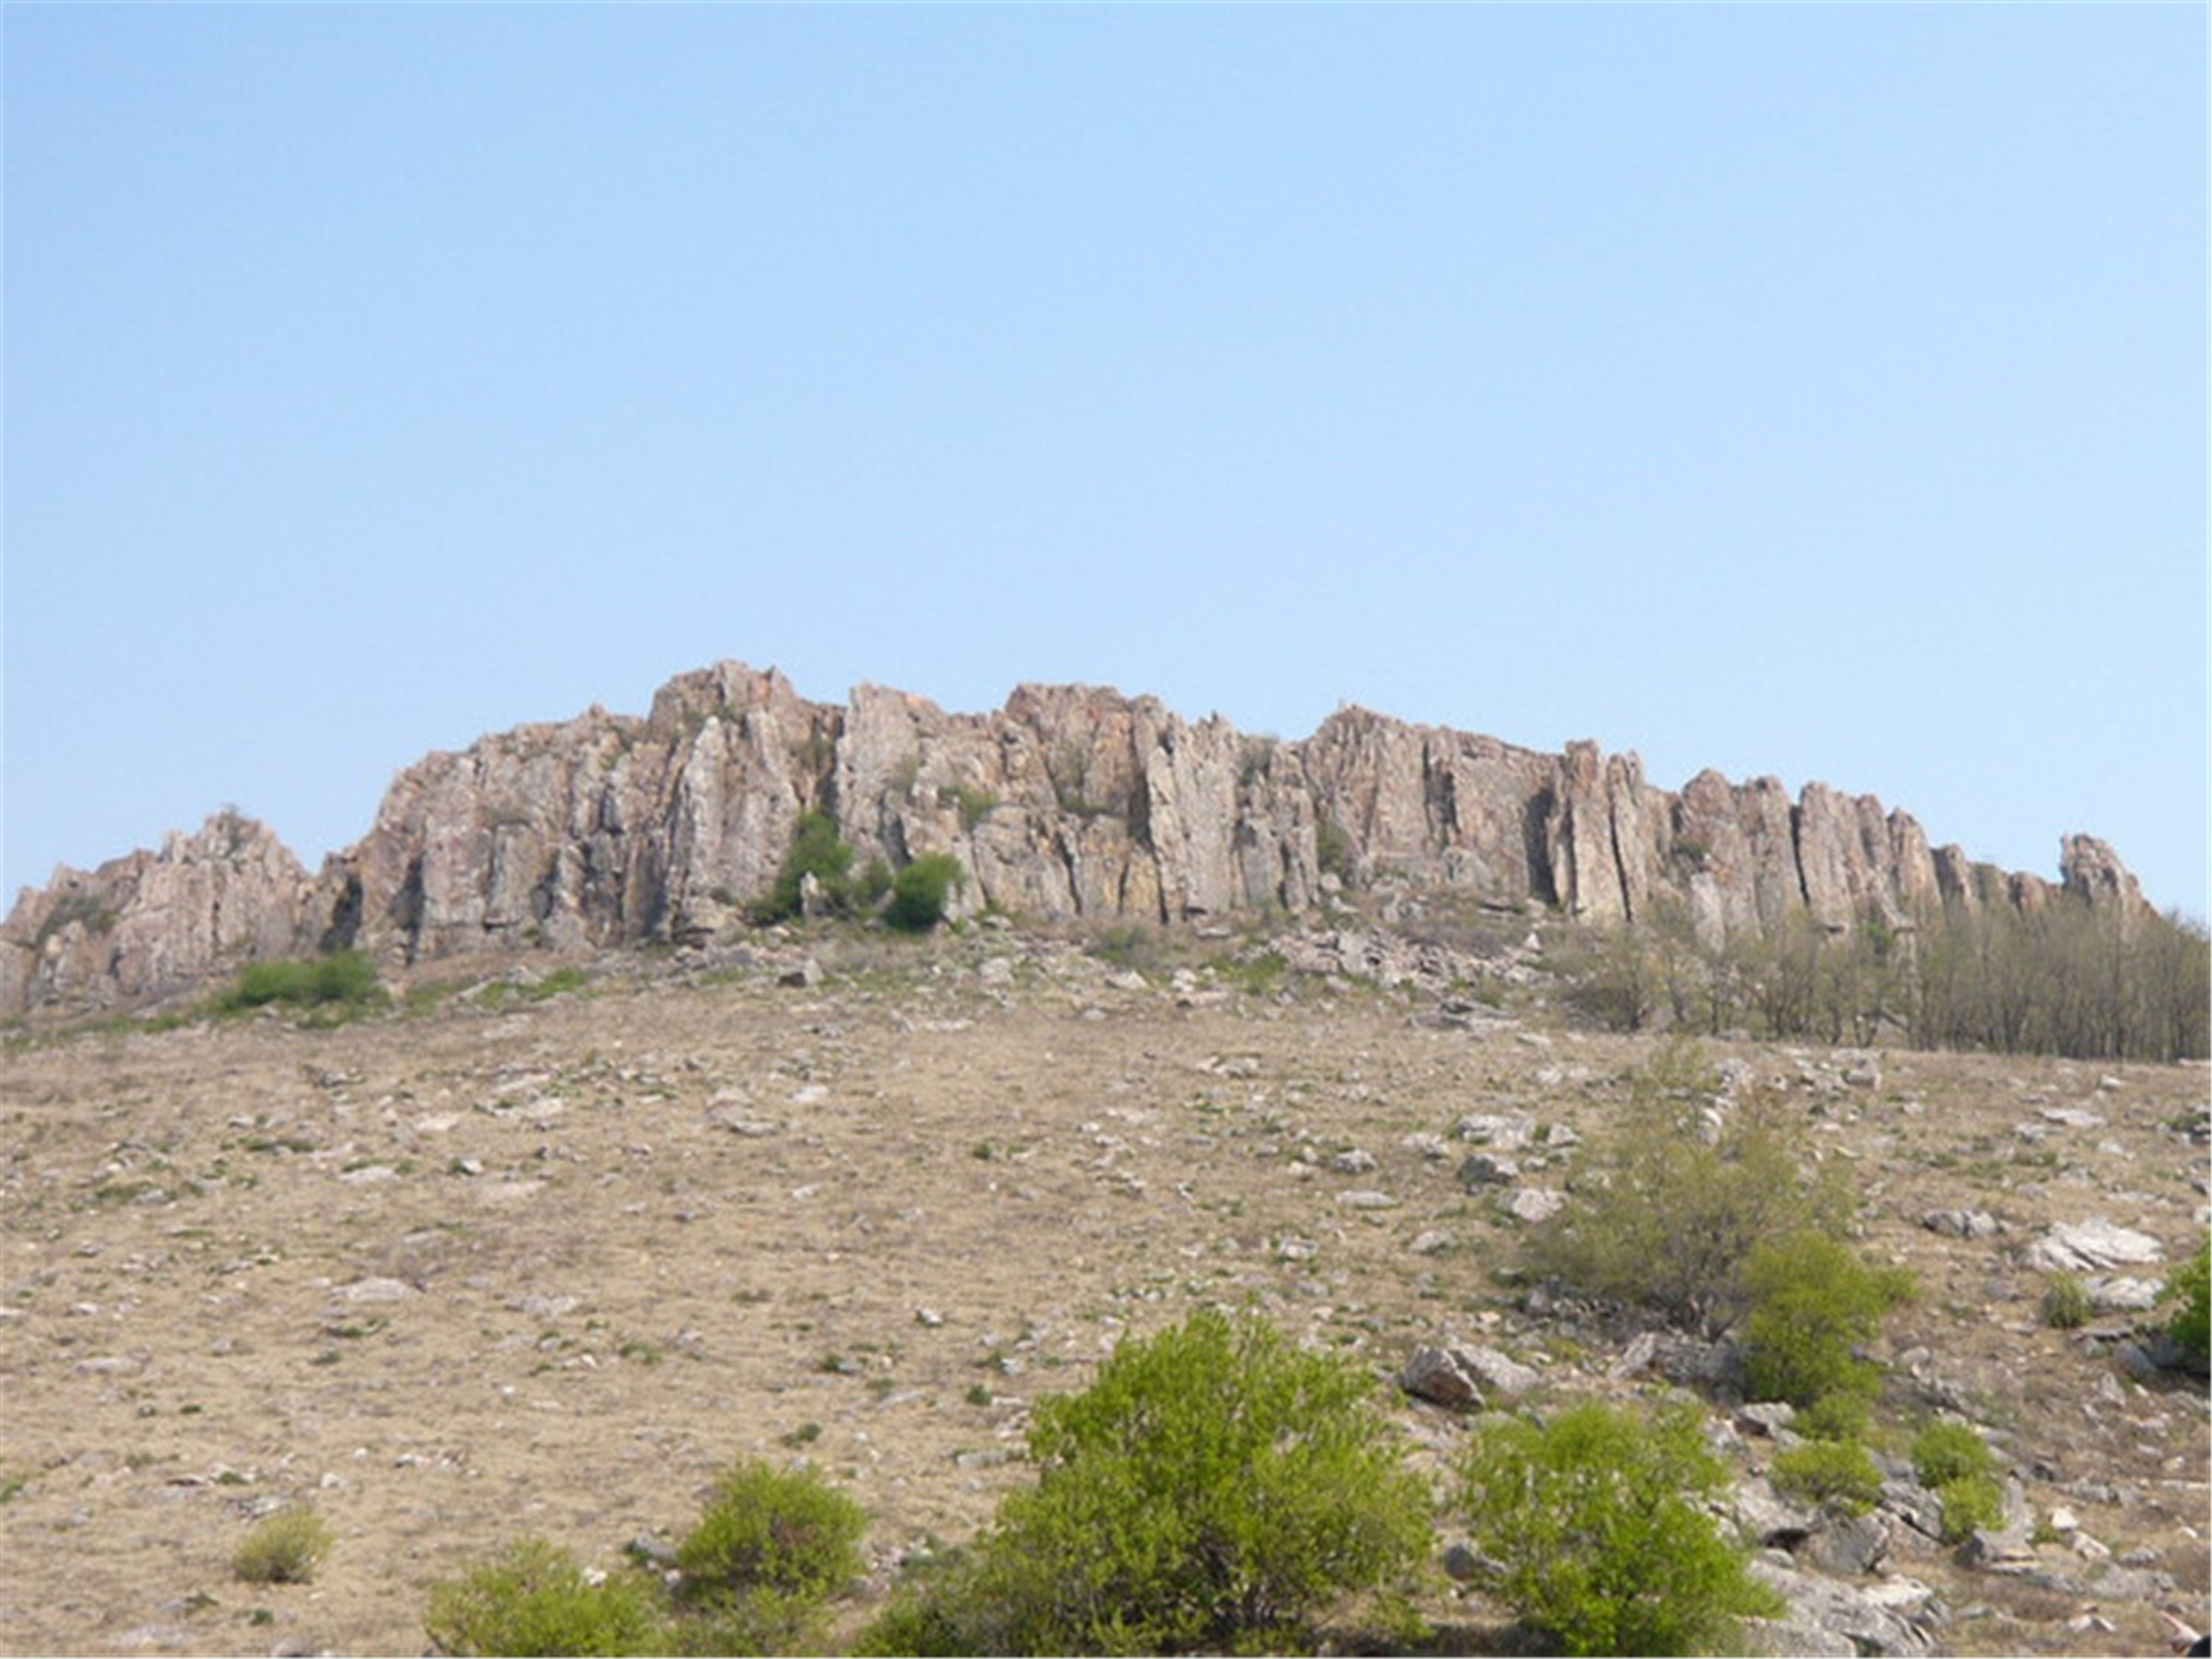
x=771 y=1549
x=1215 y=1487
x=532 y=1598
x=1595 y=1533
x=1943 y=1453
x=2067 y=1304
x=345 y=978
x=1832 y=1472
x=1837 y=1416
x=919 y=892
x=1672 y=1206
x=817 y=851
x=948 y=1603
x=2191 y=1286
x=1814 y=1302
x=283 y=1549
x=1971 y=1503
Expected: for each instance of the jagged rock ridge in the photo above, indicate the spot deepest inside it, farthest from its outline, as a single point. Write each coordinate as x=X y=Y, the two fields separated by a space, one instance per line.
x=1070 y=802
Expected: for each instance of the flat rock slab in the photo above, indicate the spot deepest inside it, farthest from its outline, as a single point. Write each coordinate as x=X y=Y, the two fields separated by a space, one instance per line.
x=2092 y=1246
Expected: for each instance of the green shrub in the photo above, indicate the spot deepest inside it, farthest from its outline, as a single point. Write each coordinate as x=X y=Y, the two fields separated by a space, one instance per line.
x=532 y=1598
x=2067 y=1304
x=770 y=1549
x=1595 y=1533
x=948 y=1603
x=919 y=892
x=283 y=1549
x=1671 y=1207
x=2191 y=1286
x=1971 y=1503
x=1216 y=1487
x=1943 y=1453
x=1813 y=1303
x=1837 y=1416
x=345 y=977
x=1830 y=1472
x=815 y=850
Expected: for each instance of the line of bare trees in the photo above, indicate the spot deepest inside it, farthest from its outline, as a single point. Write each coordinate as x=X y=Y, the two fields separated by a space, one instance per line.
x=2067 y=977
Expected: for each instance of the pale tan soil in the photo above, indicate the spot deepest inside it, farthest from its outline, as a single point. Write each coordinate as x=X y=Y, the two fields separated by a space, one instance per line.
x=602 y=1296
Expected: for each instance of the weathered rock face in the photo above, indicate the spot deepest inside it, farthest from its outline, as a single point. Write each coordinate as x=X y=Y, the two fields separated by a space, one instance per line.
x=1069 y=802
x=152 y=922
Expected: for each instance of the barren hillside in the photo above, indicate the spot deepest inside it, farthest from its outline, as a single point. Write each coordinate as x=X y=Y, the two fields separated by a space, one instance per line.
x=494 y=1263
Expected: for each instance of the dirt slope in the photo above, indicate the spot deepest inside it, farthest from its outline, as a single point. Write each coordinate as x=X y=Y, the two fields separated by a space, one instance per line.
x=547 y=1267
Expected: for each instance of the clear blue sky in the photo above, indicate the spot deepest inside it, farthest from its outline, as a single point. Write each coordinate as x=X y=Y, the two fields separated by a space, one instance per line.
x=1810 y=391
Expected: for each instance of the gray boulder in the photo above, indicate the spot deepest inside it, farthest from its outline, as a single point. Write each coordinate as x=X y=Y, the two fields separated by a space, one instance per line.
x=1874 y=1619
x=1441 y=1377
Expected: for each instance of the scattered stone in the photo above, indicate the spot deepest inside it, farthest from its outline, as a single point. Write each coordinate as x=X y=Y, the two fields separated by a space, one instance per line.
x=1639 y=1356
x=1496 y=1371
x=545 y=1307
x=1765 y=1419
x=1915 y=1513
x=1488 y=1169
x=1506 y=1132
x=1960 y=1224
x=2118 y=1295
x=1847 y=1546
x=1366 y=1198
x=1435 y=1241
x=1829 y=1617
x=804 y=977
x=2073 y=1117
x=375 y=1291
x=2006 y=1549
x=738 y=1120
x=1763 y=1514
x=119 y=1365
x=1462 y=1565
x=1353 y=1162
x=1532 y=1205
x=1717 y=1367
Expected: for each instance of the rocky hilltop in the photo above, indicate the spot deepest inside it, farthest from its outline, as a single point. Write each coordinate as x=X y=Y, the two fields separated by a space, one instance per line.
x=1071 y=801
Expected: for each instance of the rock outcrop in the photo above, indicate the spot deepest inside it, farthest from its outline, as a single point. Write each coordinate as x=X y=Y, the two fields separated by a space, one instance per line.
x=151 y=921
x=1071 y=801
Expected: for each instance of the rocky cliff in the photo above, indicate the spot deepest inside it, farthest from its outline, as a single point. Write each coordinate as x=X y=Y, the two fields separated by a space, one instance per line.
x=1069 y=802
